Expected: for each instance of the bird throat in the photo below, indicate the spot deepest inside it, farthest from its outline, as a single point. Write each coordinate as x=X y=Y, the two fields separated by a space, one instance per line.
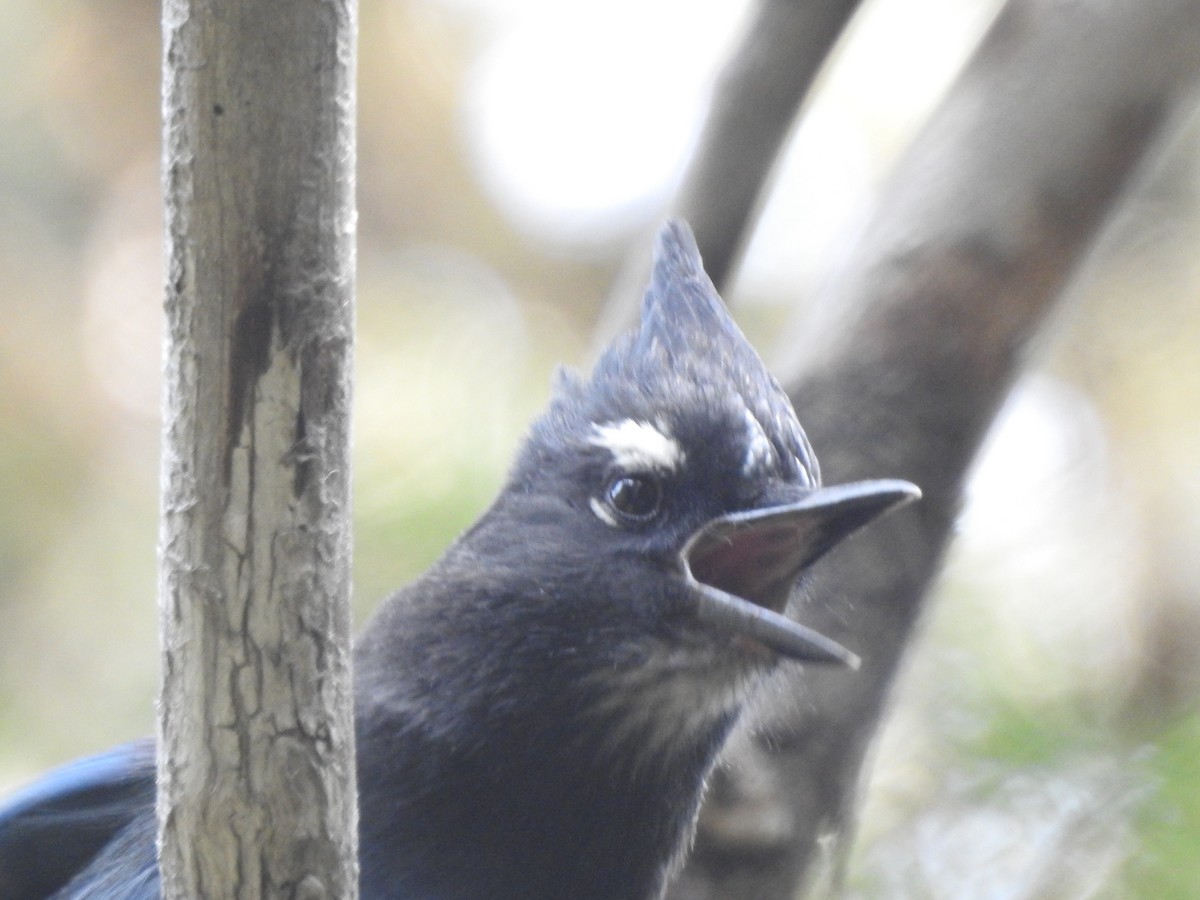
x=585 y=804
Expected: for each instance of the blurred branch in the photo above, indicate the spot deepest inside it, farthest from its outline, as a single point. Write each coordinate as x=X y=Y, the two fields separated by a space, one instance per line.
x=754 y=105
x=755 y=102
x=905 y=362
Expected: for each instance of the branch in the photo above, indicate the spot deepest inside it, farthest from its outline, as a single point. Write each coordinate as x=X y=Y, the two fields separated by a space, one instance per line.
x=256 y=750
x=755 y=101
x=911 y=352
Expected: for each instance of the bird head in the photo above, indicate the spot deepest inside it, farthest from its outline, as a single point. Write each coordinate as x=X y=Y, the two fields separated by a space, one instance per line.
x=673 y=497
x=644 y=549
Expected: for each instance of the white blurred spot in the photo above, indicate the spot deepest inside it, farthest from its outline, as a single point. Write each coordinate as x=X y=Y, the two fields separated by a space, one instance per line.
x=1048 y=550
x=580 y=120
x=817 y=201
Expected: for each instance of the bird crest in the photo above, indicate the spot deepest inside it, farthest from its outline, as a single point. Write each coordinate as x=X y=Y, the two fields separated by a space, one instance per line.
x=688 y=359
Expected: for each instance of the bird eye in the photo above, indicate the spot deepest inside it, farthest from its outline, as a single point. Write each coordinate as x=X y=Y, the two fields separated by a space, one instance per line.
x=635 y=497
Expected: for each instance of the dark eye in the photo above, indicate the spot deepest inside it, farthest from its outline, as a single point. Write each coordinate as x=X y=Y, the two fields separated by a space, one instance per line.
x=635 y=497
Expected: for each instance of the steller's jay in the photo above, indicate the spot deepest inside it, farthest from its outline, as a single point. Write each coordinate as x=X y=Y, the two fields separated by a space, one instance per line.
x=537 y=714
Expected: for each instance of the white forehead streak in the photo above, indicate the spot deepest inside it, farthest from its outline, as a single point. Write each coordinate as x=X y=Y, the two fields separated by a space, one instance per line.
x=638 y=445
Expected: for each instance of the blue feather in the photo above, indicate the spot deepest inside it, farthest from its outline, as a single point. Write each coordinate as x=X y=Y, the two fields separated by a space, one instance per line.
x=55 y=827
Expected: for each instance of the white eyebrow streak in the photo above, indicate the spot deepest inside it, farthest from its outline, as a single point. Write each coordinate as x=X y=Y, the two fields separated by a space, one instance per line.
x=638 y=445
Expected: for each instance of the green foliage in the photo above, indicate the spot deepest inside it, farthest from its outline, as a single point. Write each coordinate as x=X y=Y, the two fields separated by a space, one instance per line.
x=1167 y=866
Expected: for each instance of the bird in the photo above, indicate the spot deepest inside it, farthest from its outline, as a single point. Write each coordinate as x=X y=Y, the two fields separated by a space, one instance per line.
x=537 y=714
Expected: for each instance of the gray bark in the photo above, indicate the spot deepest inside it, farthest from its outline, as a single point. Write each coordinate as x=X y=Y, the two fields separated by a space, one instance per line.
x=900 y=373
x=256 y=744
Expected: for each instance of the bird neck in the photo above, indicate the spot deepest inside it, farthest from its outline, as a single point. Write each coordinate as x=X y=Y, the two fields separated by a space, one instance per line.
x=518 y=819
x=495 y=773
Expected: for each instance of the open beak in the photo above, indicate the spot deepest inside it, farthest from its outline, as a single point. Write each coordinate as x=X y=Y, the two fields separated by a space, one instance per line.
x=743 y=567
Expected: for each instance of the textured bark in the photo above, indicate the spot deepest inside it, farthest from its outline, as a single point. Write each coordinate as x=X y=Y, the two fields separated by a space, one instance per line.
x=256 y=746
x=900 y=373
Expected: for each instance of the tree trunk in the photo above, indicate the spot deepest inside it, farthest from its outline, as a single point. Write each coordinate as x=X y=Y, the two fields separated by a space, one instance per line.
x=914 y=347
x=256 y=741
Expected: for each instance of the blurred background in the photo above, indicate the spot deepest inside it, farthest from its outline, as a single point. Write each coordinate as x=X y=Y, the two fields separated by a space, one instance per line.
x=1045 y=741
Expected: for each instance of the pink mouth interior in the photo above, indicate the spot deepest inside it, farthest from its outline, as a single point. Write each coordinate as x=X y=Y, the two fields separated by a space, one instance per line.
x=756 y=563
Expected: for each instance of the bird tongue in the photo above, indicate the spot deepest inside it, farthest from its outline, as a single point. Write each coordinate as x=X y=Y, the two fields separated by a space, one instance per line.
x=743 y=567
